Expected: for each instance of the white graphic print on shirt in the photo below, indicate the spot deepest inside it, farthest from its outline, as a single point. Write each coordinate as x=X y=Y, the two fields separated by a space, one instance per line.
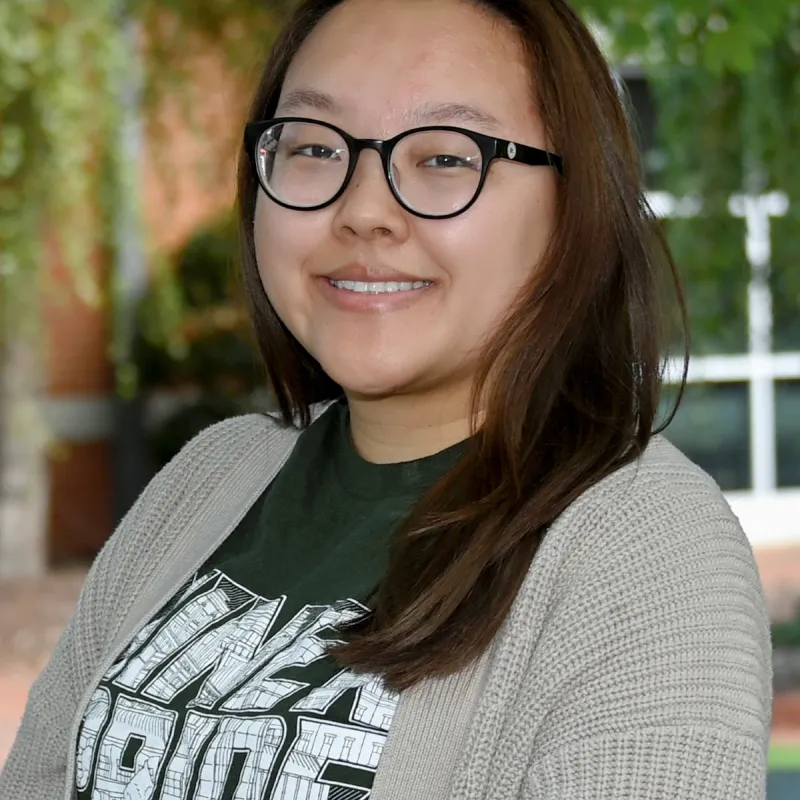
x=217 y=645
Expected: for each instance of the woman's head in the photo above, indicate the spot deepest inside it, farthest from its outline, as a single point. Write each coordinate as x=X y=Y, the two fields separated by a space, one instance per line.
x=520 y=71
x=377 y=69
x=542 y=301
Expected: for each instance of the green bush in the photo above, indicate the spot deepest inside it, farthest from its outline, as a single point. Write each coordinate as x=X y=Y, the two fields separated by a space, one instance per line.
x=193 y=339
x=787 y=634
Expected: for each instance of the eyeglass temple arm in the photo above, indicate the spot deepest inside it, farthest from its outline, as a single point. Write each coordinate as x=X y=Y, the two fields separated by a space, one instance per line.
x=533 y=156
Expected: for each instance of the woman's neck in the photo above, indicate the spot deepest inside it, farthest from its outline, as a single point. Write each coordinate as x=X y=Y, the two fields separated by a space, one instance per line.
x=391 y=430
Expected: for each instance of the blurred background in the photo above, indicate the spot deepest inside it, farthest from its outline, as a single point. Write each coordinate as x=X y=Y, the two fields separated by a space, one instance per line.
x=121 y=333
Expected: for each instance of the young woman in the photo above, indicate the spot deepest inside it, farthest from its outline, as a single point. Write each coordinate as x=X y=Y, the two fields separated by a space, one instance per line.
x=459 y=563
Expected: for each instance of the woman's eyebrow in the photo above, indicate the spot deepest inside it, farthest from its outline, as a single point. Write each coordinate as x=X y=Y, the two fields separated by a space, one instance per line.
x=442 y=113
x=300 y=99
x=430 y=113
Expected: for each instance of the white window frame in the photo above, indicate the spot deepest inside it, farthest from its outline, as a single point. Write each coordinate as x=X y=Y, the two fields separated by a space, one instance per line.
x=771 y=516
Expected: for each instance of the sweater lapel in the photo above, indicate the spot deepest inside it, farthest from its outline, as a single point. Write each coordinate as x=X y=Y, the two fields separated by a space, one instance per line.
x=428 y=735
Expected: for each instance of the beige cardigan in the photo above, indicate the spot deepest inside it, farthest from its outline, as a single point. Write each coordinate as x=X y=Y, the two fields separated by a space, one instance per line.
x=635 y=663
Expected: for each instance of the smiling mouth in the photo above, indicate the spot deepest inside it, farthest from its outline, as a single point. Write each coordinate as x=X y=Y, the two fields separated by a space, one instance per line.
x=379 y=287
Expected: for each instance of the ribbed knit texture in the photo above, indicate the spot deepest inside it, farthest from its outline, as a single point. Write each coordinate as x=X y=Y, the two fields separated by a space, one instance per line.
x=634 y=665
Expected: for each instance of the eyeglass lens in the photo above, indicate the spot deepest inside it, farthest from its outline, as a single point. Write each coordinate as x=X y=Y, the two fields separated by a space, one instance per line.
x=304 y=165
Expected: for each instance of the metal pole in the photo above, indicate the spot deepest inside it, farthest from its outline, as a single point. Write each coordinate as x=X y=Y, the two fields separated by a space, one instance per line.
x=129 y=282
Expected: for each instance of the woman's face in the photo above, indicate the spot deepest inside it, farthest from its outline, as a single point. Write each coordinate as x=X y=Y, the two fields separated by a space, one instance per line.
x=376 y=68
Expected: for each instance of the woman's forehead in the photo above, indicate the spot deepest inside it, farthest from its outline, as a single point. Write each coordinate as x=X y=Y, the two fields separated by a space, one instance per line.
x=425 y=62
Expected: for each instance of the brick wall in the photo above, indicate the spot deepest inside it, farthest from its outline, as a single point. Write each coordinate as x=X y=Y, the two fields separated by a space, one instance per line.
x=188 y=179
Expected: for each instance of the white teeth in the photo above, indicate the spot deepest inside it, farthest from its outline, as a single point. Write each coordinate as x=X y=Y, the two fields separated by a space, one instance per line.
x=381 y=287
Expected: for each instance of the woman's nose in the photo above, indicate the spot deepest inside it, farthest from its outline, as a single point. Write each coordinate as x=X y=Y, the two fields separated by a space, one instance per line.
x=368 y=207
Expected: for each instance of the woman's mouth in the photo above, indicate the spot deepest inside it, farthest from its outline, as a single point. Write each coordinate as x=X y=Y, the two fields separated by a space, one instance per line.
x=379 y=287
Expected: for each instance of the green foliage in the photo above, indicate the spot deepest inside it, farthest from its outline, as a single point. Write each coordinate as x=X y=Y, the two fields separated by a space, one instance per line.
x=191 y=330
x=56 y=124
x=726 y=80
x=745 y=137
x=65 y=66
x=193 y=341
x=787 y=634
x=718 y=36
x=784 y=758
x=786 y=280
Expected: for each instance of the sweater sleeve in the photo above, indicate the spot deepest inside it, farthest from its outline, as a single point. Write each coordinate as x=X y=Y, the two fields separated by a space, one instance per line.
x=681 y=763
x=658 y=655
x=36 y=765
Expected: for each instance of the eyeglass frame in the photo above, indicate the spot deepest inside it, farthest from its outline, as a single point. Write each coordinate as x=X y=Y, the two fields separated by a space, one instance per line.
x=491 y=148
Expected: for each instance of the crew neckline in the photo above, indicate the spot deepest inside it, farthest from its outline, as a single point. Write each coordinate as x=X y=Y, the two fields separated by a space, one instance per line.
x=367 y=479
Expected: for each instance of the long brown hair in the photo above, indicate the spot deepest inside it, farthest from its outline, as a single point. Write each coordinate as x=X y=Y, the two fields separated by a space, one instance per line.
x=569 y=386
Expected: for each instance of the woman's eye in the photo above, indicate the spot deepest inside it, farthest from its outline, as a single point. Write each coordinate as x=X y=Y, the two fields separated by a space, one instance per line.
x=448 y=162
x=316 y=151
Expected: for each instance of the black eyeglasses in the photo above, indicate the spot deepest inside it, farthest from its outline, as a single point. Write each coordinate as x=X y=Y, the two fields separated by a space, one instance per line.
x=433 y=172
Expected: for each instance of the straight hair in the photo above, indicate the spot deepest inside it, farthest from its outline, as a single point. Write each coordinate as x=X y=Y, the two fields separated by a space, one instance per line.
x=569 y=387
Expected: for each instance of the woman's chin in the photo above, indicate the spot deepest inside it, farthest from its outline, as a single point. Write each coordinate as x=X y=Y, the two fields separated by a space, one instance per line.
x=373 y=390
x=371 y=383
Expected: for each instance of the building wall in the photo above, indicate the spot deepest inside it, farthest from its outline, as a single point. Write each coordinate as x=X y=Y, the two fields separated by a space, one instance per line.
x=76 y=368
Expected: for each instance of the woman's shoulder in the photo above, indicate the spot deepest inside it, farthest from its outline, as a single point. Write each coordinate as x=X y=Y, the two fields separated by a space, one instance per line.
x=660 y=501
x=242 y=443
x=238 y=436
x=643 y=610
x=258 y=436
x=250 y=443
x=661 y=479
x=653 y=548
x=664 y=484
x=236 y=432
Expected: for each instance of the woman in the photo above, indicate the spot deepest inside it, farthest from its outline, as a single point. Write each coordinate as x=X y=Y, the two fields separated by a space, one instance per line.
x=476 y=573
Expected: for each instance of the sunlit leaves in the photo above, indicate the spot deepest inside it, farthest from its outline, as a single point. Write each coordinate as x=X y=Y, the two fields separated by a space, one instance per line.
x=59 y=60
x=719 y=36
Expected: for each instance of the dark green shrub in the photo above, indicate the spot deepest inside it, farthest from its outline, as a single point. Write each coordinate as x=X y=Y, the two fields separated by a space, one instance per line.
x=787 y=634
x=193 y=340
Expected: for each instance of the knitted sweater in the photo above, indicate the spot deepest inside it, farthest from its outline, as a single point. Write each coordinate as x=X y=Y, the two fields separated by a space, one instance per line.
x=635 y=663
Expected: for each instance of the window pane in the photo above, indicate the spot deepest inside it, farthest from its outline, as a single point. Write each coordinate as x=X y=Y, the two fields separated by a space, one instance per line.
x=709 y=252
x=643 y=113
x=786 y=280
x=787 y=412
x=712 y=427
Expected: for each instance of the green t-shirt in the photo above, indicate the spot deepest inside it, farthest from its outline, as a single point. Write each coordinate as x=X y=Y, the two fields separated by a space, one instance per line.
x=228 y=692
